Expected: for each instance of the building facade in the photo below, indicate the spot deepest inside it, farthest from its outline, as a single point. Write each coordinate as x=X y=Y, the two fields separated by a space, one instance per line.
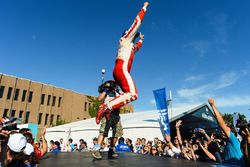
x=40 y=103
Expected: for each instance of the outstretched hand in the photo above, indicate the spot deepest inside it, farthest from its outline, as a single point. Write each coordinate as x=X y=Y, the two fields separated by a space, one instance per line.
x=141 y=36
x=178 y=123
x=168 y=138
x=246 y=134
x=146 y=4
x=43 y=132
x=211 y=101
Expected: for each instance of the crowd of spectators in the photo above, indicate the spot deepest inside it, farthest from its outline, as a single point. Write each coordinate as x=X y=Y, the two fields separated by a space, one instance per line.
x=18 y=147
x=221 y=148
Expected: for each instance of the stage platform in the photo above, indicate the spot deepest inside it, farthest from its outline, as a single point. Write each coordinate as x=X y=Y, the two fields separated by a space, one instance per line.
x=124 y=160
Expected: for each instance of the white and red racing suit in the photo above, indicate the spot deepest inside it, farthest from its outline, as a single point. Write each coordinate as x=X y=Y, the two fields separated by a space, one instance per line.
x=123 y=64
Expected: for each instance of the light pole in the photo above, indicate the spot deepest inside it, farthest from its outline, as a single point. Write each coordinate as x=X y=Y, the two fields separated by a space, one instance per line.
x=103 y=72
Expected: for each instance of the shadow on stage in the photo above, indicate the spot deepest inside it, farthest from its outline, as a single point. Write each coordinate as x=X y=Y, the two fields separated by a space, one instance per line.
x=78 y=159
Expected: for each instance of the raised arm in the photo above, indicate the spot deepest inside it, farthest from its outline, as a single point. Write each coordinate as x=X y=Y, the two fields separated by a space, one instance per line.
x=139 y=43
x=177 y=125
x=205 y=134
x=129 y=34
x=209 y=154
x=44 y=143
x=219 y=118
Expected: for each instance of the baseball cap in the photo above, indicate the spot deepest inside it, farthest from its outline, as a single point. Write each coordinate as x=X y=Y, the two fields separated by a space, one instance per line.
x=28 y=149
x=17 y=142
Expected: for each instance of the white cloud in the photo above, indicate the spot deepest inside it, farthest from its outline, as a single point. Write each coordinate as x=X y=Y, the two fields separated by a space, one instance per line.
x=227 y=79
x=200 y=47
x=194 y=78
x=233 y=101
x=223 y=81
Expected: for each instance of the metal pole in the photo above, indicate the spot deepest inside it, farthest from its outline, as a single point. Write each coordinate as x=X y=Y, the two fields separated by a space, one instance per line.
x=103 y=72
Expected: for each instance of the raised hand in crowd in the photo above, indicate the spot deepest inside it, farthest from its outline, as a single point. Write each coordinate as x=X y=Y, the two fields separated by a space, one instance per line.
x=177 y=126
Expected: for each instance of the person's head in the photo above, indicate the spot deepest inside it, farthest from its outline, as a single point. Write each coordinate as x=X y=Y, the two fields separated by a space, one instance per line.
x=15 y=148
x=121 y=140
x=159 y=143
x=154 y=151
x=95 y=140
x=145 y=149
x=128 y=141
x=70 y=140
x=75 y=146
x=143 y=140
x=156 y=140
x=213 y=147
x=51 y=142
x=37 y=144
x=81 y=141
x=57 y=145
x=29 y=137
x=176 y=142
x=138 y=141
x=61 y=140
x=24 y=130
x=84 y=144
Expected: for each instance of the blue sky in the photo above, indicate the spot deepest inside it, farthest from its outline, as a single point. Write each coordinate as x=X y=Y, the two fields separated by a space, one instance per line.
x=197 y=49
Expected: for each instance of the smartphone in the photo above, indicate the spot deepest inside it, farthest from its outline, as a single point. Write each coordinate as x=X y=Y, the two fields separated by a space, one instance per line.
x=197 y=129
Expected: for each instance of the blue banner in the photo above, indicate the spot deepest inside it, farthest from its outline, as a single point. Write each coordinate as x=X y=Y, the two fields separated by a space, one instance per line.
x=161 y=103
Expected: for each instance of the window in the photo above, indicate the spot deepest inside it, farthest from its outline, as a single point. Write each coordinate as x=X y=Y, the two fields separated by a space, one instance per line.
x=5 y=113
x=20 y=114
x=16 y=94
x=27 y=117
x=48 y=102
x=30 y=97
x=85 y=106
x=24 y=95
x=59 y=101
x=46 y=119
x=54 y=101
x=57 y=118
x=9 y=93
x=13 y=113
x=42 y=98
x=89 y=106
x=1 y=91
x=51 y=119
x=40 y=116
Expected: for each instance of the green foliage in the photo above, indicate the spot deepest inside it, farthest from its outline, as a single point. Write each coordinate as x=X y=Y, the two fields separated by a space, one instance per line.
x=94 y=107
x=60 y=121
x=228 y=118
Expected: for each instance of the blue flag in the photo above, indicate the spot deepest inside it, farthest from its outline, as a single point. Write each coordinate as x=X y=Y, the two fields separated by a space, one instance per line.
x=161 y=103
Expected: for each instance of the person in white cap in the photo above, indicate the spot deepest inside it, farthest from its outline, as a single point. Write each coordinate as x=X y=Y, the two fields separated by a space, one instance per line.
x=15 y=147
x=30 y=155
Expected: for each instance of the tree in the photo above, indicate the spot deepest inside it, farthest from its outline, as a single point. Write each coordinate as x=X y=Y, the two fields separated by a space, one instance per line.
x=94 y=106
x=60 y=121
x=228 y=118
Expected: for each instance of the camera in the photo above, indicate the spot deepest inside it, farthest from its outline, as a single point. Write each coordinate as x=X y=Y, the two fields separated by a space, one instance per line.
x=243 y=125
x=110 y=85
x=11 y=124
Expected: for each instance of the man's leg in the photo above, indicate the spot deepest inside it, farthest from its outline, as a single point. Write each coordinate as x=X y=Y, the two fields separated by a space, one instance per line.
x=117 y=132
x=126 y=82
x=97 y=147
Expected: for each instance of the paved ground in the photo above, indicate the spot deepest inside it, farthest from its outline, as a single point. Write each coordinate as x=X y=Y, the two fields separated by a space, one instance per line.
x=124 y=160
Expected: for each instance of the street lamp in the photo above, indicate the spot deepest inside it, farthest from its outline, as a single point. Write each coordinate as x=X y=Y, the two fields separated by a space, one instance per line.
x=103 y=72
